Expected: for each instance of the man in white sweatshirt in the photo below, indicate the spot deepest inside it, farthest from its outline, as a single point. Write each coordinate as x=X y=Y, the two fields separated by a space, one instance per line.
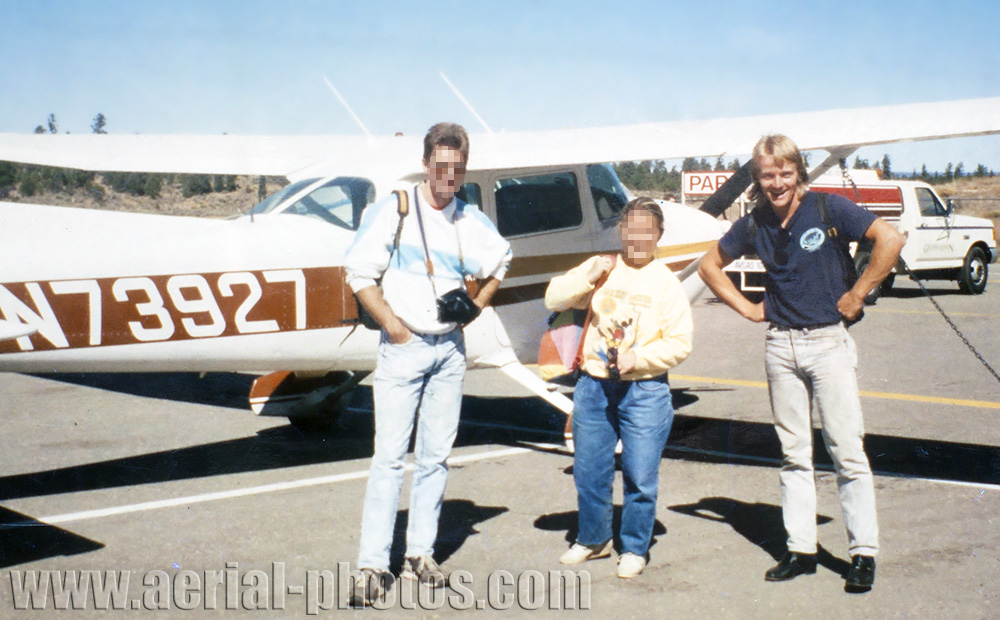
x=421 y=358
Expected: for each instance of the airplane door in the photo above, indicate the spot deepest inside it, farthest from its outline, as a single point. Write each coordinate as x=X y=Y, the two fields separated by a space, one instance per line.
x=543 y=215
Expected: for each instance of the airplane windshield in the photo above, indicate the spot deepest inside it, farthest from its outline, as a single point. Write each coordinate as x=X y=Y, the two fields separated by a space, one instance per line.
x=269 y=203
x=339 y=201
x=610 y=196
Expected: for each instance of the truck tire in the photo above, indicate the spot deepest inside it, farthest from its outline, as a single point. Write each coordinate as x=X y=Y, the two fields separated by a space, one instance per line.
x=974 y=273
x=860 y=264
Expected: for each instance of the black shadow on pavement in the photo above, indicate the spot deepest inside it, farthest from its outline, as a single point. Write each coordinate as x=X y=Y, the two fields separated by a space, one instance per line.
x=457 y=523
x=24 y=540
x=567 y=521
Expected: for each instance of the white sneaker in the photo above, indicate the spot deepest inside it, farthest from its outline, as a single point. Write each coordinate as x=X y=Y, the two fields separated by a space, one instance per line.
x=581 y=553
x=630 y=565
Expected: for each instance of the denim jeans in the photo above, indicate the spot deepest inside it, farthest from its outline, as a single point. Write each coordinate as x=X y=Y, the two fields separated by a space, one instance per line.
x=425 y=373
x=814 y=370
x=640 y=414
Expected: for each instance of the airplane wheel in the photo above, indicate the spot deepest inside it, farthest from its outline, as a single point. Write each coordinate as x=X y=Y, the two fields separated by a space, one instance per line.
x=974 y=273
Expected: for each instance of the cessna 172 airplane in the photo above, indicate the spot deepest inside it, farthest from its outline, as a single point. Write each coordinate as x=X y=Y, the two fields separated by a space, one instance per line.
x=95 y=291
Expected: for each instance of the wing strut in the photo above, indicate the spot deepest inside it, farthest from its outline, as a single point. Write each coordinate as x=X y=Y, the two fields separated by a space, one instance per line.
x=728 y=192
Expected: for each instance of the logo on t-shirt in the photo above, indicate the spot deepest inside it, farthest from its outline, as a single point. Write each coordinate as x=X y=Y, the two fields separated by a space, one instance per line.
x=812 y=239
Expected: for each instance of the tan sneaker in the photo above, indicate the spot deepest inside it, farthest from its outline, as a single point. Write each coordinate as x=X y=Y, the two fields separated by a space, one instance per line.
x=630 y=565
x=371 y=586
x=424 y=570
x=581 y=553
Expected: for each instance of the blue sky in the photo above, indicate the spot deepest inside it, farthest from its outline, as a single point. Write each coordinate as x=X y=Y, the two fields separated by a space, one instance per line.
x=257 y=67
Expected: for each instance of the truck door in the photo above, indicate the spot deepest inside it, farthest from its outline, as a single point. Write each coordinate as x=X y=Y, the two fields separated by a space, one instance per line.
x=934 y=232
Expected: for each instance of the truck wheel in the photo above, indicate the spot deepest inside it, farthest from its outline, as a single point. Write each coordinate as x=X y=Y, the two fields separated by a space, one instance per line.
x=860 y=264
x=974 y=272
x=887 y=284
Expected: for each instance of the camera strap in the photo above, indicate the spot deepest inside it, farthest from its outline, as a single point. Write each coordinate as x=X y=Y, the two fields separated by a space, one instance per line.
x=423 y=239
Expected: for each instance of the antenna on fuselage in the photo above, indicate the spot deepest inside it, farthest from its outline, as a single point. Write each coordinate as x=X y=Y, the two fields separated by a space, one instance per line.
x=349 y=110
x=462 y=99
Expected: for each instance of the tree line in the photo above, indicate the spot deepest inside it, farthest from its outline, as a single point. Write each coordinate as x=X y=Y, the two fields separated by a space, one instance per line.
x=653 y=175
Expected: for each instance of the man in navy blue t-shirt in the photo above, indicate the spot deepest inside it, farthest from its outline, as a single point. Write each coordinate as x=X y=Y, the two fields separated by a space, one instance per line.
x=811 y=289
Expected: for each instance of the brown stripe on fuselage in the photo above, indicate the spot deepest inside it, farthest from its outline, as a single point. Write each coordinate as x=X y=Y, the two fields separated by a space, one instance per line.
x=329 y=302
x=529 y=292
x=559 y=263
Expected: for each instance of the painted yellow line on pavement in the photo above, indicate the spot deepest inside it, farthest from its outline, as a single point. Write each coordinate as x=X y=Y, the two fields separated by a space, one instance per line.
x=982 y=404
x=934 y=312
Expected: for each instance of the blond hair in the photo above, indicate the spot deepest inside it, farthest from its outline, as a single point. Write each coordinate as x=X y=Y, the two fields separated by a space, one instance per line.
x=781 y=149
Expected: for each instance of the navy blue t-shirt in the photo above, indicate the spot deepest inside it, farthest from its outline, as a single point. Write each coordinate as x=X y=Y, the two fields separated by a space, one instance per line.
x=806 y=270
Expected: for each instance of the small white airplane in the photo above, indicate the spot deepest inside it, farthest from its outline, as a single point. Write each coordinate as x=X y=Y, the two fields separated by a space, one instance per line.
x=95 y=291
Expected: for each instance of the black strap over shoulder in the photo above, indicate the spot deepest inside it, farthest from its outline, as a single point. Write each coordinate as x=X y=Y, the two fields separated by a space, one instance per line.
x=402 y=208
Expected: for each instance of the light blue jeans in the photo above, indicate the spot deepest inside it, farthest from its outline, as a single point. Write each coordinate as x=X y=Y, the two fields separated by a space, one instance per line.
x=813 y=370
x=640 y=414
x=423 y=374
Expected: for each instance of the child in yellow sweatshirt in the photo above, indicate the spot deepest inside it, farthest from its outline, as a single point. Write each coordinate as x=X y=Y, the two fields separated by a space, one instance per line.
x=640 y=327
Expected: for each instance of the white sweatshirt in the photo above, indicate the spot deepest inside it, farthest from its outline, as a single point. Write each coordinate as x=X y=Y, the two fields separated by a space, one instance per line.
x=405 y=283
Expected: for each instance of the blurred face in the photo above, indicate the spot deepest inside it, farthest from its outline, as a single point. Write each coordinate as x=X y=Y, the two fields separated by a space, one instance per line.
x=445 y=173
x=639 y=237
x=779 y=181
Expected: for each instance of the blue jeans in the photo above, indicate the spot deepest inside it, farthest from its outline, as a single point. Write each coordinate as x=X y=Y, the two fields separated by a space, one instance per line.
x=813 y=370
x=425 y=373
x=640 y=414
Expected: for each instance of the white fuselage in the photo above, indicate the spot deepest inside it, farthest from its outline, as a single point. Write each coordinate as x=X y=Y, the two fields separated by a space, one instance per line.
x=108 y=291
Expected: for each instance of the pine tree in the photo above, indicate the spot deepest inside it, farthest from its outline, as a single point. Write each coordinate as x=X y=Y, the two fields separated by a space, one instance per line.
x=886 y=167
x=99 y=123
x=53 y=127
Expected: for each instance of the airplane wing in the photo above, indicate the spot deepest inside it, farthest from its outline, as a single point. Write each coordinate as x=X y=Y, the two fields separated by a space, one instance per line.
x=841 y=130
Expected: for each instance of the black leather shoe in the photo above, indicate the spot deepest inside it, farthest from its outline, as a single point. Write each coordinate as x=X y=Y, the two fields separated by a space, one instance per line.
x=791 y=566
x=861 y=577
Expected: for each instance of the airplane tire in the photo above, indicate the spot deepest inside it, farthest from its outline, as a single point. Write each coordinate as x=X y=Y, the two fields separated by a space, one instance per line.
x=974 y=273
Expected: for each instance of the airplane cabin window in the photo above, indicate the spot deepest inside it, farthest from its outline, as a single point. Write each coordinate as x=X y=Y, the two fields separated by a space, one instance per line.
x=537 y=203
x=339 y=202
x=470 y=194
x=608 y=192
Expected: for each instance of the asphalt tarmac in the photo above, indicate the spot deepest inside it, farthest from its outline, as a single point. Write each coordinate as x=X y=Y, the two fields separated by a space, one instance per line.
x=169 y=482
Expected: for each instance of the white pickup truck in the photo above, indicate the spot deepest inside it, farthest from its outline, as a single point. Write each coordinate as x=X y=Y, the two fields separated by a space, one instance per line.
x=940 y=244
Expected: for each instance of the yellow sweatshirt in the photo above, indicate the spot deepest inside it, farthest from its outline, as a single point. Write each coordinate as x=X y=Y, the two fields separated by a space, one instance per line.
x=641 y=310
